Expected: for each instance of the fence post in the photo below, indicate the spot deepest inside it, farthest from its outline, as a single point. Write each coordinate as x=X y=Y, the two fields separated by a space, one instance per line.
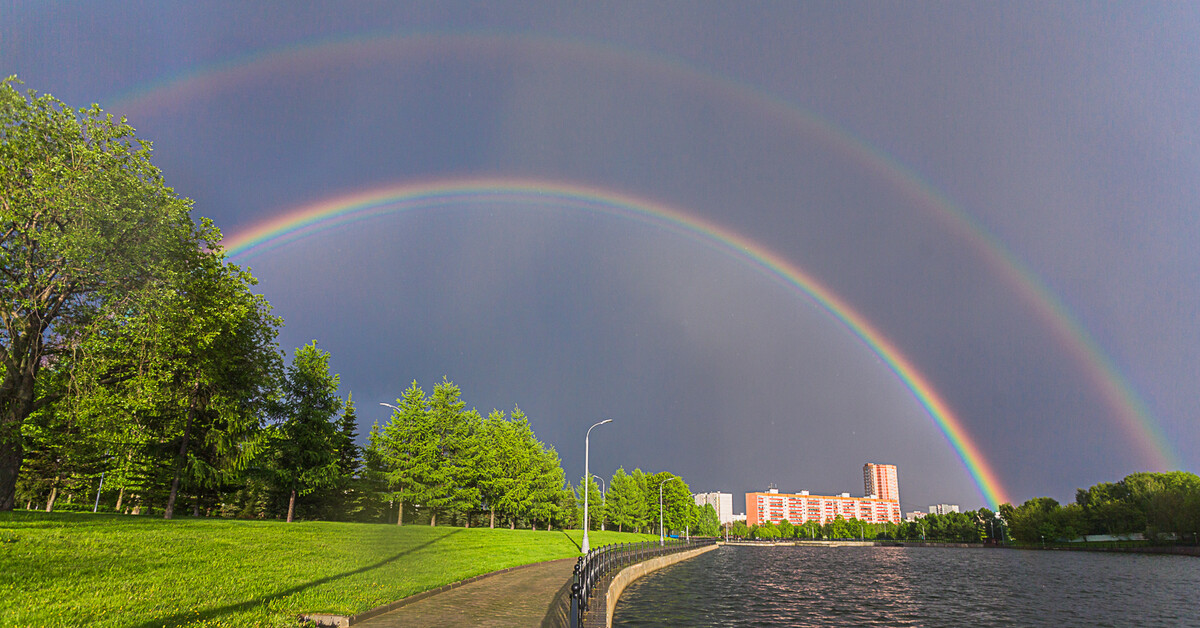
x=574 y=599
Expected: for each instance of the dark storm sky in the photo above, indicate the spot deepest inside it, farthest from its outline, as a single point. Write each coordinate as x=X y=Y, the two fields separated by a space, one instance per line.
x=1068 y=133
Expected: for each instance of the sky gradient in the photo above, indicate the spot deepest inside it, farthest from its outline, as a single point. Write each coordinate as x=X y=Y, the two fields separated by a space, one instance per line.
x=1004 y=196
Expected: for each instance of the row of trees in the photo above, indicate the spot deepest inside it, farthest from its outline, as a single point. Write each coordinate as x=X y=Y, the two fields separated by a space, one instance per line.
x=968 y=527
x=631 y=503
x=1155 y=504
x=452 y=463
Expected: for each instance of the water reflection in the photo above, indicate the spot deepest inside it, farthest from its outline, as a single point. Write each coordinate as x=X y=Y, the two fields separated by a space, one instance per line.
x=891 y=586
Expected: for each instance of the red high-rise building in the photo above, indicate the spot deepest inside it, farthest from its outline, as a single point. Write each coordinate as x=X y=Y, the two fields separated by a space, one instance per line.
x=879 y=480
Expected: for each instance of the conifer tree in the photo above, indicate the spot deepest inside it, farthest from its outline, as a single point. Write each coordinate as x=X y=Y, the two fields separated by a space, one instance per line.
x=305 y=443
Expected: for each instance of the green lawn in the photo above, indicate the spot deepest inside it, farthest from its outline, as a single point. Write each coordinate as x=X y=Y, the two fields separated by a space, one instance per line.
x=64 y=569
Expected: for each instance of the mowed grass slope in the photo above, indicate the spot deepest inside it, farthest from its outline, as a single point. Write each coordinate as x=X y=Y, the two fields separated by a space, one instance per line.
x=110 y=570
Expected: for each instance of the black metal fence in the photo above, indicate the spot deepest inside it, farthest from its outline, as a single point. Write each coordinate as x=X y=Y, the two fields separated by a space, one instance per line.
x=593 y=566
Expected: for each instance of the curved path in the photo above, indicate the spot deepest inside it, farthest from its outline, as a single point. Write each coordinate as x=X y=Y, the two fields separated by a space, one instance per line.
x=519 y=597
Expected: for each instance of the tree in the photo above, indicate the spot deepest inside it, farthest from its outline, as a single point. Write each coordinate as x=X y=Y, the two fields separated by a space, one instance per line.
x=494 y=478
x=546 y=489
x=625 y=503
x=85 y=221
x=343 y=500
x=766 y=531
x=444 y=459
x=647 y=510
x=708 y=523
x=305 y=443
x=521 y=453
x=406 y=437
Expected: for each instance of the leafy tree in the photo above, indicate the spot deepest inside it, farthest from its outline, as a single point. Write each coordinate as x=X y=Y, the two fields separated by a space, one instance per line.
x=739 y=530
x=305 y=442
x=786 y=529
x=627 y=494
x=85 y=222
x=766 y=531
x=708 y=523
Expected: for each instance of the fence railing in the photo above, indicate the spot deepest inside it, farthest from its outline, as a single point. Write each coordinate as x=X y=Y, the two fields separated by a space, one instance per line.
x=591 y=568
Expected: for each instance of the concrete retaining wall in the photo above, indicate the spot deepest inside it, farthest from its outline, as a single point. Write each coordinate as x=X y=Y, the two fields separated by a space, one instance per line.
x=633 y=572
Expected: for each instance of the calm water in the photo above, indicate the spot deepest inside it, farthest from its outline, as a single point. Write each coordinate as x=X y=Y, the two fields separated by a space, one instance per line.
x=893 y=586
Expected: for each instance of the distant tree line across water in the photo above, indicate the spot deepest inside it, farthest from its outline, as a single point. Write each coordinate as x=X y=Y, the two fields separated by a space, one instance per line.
x=1159 y=505
x=140 y=373
x=968 y=527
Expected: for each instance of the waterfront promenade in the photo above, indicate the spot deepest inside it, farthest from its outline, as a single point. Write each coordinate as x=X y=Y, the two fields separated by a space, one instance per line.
x=516 y=597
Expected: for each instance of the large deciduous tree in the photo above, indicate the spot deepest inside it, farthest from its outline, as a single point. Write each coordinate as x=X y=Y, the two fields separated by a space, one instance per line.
x=85 y=220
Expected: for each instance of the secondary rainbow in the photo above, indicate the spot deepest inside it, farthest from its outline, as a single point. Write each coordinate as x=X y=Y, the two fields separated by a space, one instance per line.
x=308 y=220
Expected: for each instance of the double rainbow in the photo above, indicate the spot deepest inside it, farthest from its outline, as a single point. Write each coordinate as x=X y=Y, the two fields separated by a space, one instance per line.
x=305 y=221
x=1132 y=414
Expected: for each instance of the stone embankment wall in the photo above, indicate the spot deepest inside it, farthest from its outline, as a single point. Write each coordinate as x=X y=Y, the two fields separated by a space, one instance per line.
x=633 y=572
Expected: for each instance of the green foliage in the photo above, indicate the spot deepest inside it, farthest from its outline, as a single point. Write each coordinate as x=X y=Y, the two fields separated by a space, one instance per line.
x=626 y=503
x=86 y=226
x=1158 y=504
x=303 y=443
x=453 y=463
x=708 y=523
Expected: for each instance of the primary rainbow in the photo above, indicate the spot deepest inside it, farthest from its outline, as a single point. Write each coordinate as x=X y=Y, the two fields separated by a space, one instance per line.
x=302 y=222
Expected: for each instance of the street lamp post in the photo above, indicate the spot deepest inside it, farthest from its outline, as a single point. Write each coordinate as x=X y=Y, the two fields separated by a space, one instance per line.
x=400 y=514
x=586 y=475
x=662 y=539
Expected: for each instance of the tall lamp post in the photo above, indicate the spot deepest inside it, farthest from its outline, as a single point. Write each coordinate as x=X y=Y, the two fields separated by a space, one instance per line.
x=586 y=475
x=662 y=539
x=400 y=514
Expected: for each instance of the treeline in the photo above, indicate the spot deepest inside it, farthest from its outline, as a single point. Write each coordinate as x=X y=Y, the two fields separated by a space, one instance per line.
x=1159 y=505
x=436 y=460
x=447 y=462
x=631 y=504
x=953 y=527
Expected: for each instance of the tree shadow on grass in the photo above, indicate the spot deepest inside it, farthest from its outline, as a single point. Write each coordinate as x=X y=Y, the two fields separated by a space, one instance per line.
x=179 y=619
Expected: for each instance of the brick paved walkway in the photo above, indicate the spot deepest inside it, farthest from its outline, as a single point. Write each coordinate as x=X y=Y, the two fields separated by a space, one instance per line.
x=515 y=598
